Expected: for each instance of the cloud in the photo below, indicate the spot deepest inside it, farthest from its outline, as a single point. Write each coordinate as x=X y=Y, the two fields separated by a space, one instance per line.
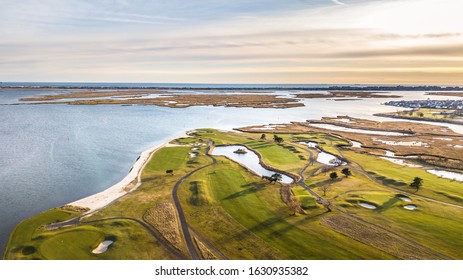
x=163 y=41
x=337 y=2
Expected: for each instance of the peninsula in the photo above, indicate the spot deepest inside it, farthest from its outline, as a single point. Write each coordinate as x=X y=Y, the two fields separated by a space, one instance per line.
x=350 y=195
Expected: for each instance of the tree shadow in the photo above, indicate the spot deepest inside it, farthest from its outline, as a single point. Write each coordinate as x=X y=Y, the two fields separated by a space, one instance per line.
x=251 y=188
x=388 y=204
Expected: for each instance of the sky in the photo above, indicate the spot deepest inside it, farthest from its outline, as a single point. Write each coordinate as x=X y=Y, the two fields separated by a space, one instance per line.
x=233 y=41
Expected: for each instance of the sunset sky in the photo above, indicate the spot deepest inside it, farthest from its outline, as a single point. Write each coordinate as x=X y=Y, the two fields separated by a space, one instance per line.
x=233 y=41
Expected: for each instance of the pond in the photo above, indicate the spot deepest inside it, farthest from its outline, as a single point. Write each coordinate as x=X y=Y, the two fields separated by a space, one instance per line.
x=329 y=159
x=249 y=160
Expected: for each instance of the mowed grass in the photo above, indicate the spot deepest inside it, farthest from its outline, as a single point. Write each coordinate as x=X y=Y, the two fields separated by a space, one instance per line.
x=167 y=158
x=394 y=174
x=257 y=217
x=355 y=182
x=21 y=244
x=75 y=244
x=433 y=225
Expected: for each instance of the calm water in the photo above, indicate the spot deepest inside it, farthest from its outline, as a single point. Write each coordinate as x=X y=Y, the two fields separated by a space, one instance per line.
x=250 y=160
x=54 y=154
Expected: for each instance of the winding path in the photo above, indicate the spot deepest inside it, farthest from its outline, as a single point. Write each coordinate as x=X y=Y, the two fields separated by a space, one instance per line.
x=183 y=223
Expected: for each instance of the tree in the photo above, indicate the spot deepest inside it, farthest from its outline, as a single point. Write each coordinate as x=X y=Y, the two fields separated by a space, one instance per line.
x=333 y=175
x=325 y=188
x=416 y=183
x=277 y=177
x=277 y=138
x=170 y=171
x=346 y=172
x=263 y=136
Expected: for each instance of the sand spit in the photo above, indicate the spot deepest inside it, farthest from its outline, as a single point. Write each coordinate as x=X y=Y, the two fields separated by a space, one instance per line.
x=104 y=198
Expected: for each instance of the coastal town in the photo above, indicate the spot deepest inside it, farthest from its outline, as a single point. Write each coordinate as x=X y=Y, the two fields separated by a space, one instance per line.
x=433 y=104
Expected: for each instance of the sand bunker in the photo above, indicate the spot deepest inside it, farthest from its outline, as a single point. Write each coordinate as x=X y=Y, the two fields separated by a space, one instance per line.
x=404 y=198
x=368 y=205
x=102 y=247
x=410 y=207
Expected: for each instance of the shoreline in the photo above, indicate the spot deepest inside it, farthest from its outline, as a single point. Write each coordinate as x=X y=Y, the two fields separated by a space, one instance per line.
x=102 y=199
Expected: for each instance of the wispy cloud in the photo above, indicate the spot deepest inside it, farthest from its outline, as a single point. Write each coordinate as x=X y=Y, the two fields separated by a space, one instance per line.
x=337 y=2
x=231 y=41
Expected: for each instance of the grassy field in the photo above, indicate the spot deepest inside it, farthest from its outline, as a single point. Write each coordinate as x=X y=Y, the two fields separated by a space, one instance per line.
x=255 y=213
x=232 y=213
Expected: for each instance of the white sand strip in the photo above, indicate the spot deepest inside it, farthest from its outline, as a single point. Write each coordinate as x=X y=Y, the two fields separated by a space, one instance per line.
x=102 y=247
x=103 y=198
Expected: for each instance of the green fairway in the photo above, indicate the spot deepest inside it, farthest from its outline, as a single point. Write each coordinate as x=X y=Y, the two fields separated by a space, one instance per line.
x=257 y=207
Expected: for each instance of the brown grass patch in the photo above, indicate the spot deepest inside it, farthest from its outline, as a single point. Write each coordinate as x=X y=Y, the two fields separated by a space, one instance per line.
x=164 y=218
x=177 y=100
x=206 y=254
x=377 y=238
x=73 y=208
x=94 y=94
x=130 y=186
x=454 y=93
x=291 y=200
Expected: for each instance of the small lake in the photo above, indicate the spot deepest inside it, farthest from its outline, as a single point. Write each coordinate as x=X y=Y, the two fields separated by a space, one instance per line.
x=329 y=159
x=249 y=160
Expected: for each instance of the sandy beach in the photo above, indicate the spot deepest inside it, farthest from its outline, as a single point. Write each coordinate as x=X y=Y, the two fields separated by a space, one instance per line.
x=100 y=200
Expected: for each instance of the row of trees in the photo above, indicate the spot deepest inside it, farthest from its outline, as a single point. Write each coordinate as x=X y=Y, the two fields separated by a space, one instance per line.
x=345 y=171
x=276 y=138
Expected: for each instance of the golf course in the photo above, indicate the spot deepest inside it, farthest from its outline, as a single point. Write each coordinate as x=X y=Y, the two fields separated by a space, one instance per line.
x=343 y=200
